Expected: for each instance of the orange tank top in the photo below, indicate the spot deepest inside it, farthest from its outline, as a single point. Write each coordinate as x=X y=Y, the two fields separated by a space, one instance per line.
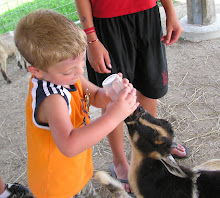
x=50 y=173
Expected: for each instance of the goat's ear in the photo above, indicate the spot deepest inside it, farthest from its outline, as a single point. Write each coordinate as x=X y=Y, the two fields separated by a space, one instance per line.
x=172 y=166
x=35 y=71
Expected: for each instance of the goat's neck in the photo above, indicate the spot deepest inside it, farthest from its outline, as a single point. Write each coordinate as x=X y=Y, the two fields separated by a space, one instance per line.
x=136 y=159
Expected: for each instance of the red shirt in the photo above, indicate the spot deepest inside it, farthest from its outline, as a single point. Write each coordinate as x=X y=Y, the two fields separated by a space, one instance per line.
x=114 y=8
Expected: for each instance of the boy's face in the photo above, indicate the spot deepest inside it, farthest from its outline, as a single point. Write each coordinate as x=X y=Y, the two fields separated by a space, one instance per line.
x=65 y=72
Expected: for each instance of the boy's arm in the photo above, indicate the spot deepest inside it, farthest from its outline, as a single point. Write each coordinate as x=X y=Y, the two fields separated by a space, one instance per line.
x=174 y=29
x=72 y=141
x=97 y=54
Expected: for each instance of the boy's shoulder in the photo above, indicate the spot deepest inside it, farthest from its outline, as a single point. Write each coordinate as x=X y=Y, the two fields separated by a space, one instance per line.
x=40 y=89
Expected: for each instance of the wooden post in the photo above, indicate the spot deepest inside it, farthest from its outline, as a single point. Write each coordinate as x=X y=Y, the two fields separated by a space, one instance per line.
x=201 y=12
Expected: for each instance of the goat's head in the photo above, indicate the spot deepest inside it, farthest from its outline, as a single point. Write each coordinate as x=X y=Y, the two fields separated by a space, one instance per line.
x=151 y=136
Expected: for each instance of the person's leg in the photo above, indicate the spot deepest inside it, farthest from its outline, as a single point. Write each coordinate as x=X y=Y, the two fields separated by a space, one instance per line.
x=2 y=186
x=109 y=33
x=148 y=104
x=152 y=79
x=121 y=165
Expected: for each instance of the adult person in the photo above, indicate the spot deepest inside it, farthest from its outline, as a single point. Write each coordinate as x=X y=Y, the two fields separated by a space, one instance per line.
x=126 y=36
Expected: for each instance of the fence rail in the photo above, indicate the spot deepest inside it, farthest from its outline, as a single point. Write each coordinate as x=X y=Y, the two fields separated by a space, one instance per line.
x=12 y=10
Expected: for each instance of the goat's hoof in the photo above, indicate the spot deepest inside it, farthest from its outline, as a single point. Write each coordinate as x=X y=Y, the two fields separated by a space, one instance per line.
x=19 y=65
x=8 y=81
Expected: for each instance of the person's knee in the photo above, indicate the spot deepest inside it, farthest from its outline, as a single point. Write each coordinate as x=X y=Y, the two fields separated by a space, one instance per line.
x=148 y=104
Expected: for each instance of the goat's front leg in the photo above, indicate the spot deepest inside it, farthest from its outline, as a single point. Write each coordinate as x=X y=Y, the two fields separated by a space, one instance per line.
x=3 y=69
x=18 y=58
x=19 y=64
x=25 y=64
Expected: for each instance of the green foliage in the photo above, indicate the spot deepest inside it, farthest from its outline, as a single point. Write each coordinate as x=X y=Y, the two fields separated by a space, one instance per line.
x=11 y=12
x=9 y=19
x=159 y=3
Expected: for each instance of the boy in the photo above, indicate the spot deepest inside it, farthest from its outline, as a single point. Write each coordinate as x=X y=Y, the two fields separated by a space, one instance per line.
x=59 y=136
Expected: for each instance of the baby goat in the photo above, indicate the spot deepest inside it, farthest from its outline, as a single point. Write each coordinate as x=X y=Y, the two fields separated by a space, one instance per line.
x=153 y=172
x=8 y=48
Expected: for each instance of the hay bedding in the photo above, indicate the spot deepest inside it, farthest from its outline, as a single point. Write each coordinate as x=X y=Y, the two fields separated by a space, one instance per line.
x=192 y=105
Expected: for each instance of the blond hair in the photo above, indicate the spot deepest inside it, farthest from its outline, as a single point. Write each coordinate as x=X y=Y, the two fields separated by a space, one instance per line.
x=44 y=37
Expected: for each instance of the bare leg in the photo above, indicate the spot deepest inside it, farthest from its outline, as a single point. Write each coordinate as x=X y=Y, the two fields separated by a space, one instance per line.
x=148 y=104
x=2 y=186
x=116 y=141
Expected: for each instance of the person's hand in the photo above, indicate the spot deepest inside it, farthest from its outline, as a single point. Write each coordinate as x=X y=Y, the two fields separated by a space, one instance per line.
x=118 y=86
x=174 y=30
x=125 y=104
x=125 y=82
x=98 y=57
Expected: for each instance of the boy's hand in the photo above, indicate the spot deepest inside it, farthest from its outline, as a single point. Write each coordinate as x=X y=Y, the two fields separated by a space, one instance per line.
x=125 y=104
x=118 y=89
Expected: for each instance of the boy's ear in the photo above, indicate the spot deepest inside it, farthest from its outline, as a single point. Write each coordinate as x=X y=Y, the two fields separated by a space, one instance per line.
x=35 y=71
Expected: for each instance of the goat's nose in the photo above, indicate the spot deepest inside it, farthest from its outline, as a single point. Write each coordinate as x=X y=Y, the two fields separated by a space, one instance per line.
x=139 y=111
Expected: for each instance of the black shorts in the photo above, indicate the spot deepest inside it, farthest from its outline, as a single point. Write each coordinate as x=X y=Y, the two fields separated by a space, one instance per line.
x=135 y=49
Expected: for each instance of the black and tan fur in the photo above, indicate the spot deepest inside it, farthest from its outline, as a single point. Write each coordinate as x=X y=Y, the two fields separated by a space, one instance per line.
x=114 y=186
x=154 y=173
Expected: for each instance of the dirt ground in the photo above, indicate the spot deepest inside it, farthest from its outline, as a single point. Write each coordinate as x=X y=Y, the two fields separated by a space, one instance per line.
x=192 y=105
